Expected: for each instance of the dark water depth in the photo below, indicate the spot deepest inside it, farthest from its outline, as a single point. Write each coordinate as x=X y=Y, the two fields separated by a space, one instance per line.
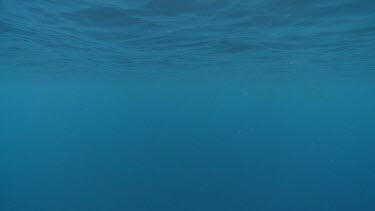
x=157 y=105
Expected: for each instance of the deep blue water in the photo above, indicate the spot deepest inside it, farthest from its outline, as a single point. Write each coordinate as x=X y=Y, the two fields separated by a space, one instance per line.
x=263 y=105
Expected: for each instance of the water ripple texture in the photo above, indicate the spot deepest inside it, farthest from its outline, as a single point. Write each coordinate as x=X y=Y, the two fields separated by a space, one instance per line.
x=163 y=35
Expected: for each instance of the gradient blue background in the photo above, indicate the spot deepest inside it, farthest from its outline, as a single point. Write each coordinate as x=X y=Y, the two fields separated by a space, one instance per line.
x=187 y=105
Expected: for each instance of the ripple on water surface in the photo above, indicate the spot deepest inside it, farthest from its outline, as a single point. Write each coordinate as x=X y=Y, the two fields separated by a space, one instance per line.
x=184 y=35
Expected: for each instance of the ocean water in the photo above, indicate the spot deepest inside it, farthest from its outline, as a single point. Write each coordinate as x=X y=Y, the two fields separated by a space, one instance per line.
x=169 y=105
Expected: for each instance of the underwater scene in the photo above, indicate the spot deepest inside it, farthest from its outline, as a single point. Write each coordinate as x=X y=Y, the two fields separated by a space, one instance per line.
x=177 y=105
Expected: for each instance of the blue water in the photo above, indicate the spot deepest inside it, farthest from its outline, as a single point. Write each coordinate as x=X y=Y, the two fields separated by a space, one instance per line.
x=199 y=105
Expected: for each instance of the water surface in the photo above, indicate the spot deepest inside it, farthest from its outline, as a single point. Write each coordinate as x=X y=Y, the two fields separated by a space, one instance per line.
x=187 y=105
